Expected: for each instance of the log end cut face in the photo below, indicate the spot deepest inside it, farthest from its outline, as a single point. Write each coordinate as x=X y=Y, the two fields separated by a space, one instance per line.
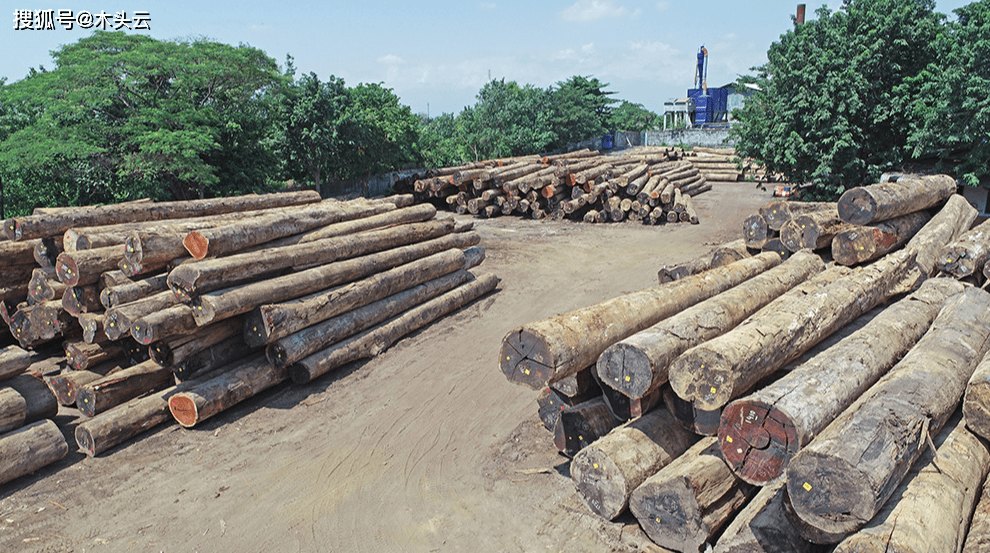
x=626 y=369
x=85 y=441
x=857 y=206
x=12 y=229
x=704 y=377
x=976 y=406
x=757 y=441
x=599 y=482
x=183 y=408
x=67 y=270
x=669 y=514
x=525 y=359
x=829 y=494
x=196 y=244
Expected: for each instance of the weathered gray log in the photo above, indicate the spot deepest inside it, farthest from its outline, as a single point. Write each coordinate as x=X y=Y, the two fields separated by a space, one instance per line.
x=164 y=324
x=716 y=372
x=552 y=401
x=237 y=300
x=372 y=342
x=683 y=505
x=38 y=226
x=775 y=245
x=763 y=527
x=976 y=402
x=638 y=364
x=965 y=256
x=931 y=509
x=213 y=274
x=978 y=536
x=116 y=296
x=25 y=399
x=778 y=212
x=64 y=385
x=608 y=470
x=225 y=352
x=947 y=225
x=169 y=352
x=839 y=481
x=760 y=433
x=231 y=387
x=862 y=244
x=13 y=361
x=30 y=448
x=886 y=200
x=105 y=393
x=551 y=349
x=690 y=213
x=729 y=253
x=411 y=214
x=813 y=230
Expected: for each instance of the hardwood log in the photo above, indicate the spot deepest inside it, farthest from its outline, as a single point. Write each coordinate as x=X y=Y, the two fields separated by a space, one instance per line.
x=976 y=401
x=931 y=509
x=77 y=300
x=160 y=325
x=176 y=350
x=38 y=226
x=552 y=401
x=840 y=480
x=231 y=387
x=607 y=471
x=371 y=342
x=778 y=212
x=716 y=372
x=84 y=267
x=862 y=244
x=92 y=325
x=763 y=527
x=886 y=200
x=121 y=320
x=978 y=535
x=686 y=503
x=966 y=255
x=756 y=232
x=225 y=352
x=638 y=364
x=775 y=245
x=947 y=225
x=116 y=296
x=553 y=348
x=813 y=230
x=109 y=391
x=82 y=355
x=760 y=433
x=25 y=399
x=64 y=385
x=46 y=251
x=44 y=285
x=580 y=425
x=18 y=253
x=30 y=448
x=13 y=361
x=730 y=252
x=213 y=274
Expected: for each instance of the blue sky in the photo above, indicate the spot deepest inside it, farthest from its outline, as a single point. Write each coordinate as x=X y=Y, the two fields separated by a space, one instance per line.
x=437 y=55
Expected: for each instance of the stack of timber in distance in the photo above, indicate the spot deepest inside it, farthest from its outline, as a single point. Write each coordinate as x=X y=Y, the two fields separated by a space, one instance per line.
x=180 y=310
x=838 y=404
x=650 y=185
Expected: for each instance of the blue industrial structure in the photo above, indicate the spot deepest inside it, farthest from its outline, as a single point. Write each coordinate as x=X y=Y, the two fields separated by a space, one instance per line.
x=711 y=105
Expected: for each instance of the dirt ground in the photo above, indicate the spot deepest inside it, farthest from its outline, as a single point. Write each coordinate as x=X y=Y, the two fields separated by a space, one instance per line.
x=425 y=448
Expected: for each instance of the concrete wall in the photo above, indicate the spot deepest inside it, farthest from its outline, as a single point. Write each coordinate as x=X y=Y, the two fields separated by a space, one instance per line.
x=712 y=138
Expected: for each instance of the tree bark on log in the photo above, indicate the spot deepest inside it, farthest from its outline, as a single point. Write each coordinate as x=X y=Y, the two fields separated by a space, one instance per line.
x=965 y=256
x=213 y=274
x=81 y=355
x=18 y=253
x=978 y=536
x=976 y=401
x=38 y=226
x=931 y=510
x=25 y=399
x=92 y=325
x=947 y=225
x=581 y=425
x=778 y=212
x=607 y=471
x=43 y=286
x=760 y=433
x=241 y=299
x=228 y=351
x=554 y=348
x=862 y=244
x=84 y=267
x=813 y=230
x=638 y=364
x=844 y=476
x=233 y=386
x=716 y=372
x=682 y=506
x=763 y=527
x=121 y=320
x=64 y=385
x=30 y=448
x=164 y=324
x=13 y=361
x=886 y=200
x=411 y=214
x=372 y=342
x=169 y=352
x=77 y=300
x=116 y=296
x=105 y=393
x=729 y=252
x=690 y=214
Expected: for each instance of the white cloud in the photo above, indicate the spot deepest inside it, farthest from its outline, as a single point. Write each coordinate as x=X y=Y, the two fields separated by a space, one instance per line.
x=588 y=48
x=390 y=59
x=487 y=6
x=590 y=10
x=731 y=36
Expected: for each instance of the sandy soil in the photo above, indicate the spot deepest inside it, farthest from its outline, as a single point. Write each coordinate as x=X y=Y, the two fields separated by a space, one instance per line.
x=425 y=448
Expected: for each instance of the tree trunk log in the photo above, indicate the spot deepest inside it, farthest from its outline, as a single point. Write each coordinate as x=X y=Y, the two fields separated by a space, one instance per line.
x=213 y=274
x=231 y=387
x=43 y=286
x=84 y=267
x=121 y=320
x=712 y=374
x=763 y=527
x=638 y=364
x=813 y=230
x=28 y=449
x=105 y=393
x=411 y=214
x=976 y=402
x=116 y=296
x=581 y=425
x=729 y=252
x=978 y=536
x=169 y=352
x=18 y=253
x=81 y=355
x=777 y=213
x=886 y=200
x=862 y=244
x=756 y=232
x=690 y=214
x=682 y=506
x=607 y=471
x=64 y=385
x=13 y=361
x=228 y=351
x=92 y=325
x=931 y=510
x=77 y=300
x=965 y=256
x=164 y=324
x=844 y=476
x=372 y=342
x=552 y=401
x=948 y=224
x=25 y=399
x=760 y=433
x=554 y=348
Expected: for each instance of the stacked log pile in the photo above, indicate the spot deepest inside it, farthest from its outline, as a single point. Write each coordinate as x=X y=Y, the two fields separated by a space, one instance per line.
x=648 y=185
x=141 y=313
x=791 y=406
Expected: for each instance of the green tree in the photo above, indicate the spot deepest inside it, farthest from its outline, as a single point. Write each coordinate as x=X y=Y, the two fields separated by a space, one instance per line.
x=837 y=93
x=442 y=141
x=634 y=117
x=582 y=109
x=384 y=132
x=508 y=120
x=953 y=107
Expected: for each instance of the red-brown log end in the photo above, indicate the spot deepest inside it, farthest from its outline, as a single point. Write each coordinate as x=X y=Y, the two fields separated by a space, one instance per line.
x=183 y=409
x=196 y=244
x=757 y=441
x=66 y=269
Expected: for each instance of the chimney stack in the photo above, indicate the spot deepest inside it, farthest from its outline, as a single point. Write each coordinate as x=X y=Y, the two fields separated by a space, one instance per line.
x=800 y=14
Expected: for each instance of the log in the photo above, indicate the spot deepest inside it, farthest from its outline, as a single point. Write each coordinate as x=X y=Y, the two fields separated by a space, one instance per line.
x=886 y=200
x=213 y=274
x=372 y=342
x=82 y=355
x=638 y=364
x=25 y=399
x=686 y=503
x=18 y=253
x=581 y=425
x=44 y=286
x=930 y=510
x=947 y=225
x=241 y=299
x=976 y=401
x=965 y=256
x=160 y=325
x=607 y=471
x=121 y=320
x=225 y=352
x=231 y=387
x=410 y=214
x=176 y=350
x=64 y=385
x=578 y=384
x=109 y=391
x=552 y=401
x=877 y=439
x=46 y=251
x=775 y=245
x=690 y=213
x=84 y=267
x=813 y=230
x=30 y=448
x=274 y=321
x=778 y=212
x=13 y=361
x=763 y=527
x=19 y=275
x=729 y=252
x=116 y=296
x=716 y=372
x=760 y=433
x=77 y=300
x=862 y=244
x=756 y=232
x=978 y=537
x=39 y=226
x=92 y=325
x=554 y=348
